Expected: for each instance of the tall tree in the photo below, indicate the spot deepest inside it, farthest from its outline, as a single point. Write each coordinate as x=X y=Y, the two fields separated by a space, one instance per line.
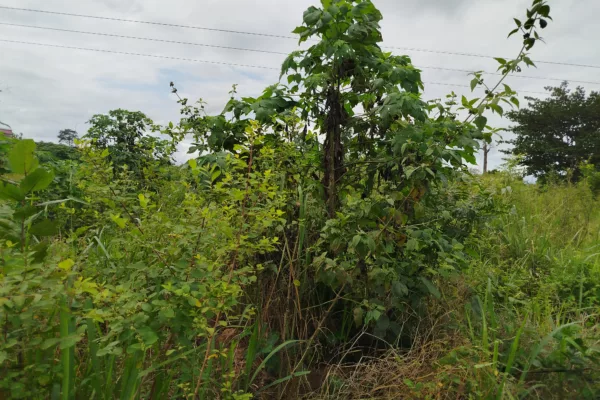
x=557 y=134
x=124 y=134
x=67 y=136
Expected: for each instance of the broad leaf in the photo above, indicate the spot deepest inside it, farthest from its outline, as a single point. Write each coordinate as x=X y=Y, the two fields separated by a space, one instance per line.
x=39 y=179
x=311 y=16
x=21 y=157
x=480 y=122
x=11 y=192
x=44 y=228
x=25 y=212
x=431 y=288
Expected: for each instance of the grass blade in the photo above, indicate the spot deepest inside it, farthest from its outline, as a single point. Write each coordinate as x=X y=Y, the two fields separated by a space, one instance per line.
x=271 y=354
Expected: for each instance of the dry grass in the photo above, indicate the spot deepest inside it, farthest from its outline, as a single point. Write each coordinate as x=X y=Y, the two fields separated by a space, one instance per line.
x=417 y=372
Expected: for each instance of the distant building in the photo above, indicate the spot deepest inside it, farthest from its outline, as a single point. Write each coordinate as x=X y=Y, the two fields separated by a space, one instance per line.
x=6 y=130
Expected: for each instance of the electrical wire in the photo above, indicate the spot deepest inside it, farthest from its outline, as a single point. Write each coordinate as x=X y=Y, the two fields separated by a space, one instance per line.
x=188 y=59
x=262 y=51
x=269 y=34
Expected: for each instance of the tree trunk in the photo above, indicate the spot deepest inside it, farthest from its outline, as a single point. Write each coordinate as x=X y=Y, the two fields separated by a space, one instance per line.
x=486 y=151
x=333 y=156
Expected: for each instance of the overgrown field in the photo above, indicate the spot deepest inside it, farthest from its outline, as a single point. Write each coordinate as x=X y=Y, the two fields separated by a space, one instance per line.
x=327 y=241
x=520 y=320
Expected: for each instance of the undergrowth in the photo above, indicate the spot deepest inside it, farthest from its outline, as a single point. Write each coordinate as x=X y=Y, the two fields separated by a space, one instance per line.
x=520 y=322
x=327 y=242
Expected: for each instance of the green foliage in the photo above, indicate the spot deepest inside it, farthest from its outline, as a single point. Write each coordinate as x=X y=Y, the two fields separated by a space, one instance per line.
x=557 y=134
x=49 y=153
x=125 y=135
x=245 y=271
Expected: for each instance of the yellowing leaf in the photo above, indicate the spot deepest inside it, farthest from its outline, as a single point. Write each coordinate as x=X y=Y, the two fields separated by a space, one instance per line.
x=66 y=264
x=119 y=221
x=296 y=283
x=143 y=200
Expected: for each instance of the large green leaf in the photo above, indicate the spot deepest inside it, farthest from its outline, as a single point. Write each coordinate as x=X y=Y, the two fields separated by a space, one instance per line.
x=21 y=157
x=480 y=122
x=431 y=288
x=37 y=180
x=11 y=192
x=311 y=16
x=44 y=228
x=23 y=213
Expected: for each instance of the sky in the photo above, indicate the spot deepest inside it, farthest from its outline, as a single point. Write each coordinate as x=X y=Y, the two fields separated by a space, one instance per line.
x=46 y=89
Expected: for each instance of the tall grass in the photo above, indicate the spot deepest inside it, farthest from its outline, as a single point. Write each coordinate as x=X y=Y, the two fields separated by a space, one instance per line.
x=528 y=324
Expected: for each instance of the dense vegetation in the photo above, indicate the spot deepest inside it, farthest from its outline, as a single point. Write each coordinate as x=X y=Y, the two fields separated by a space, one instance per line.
x=558 y=136
x=328 y=242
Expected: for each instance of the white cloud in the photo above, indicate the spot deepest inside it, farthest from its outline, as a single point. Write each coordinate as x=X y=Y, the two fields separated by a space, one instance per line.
x=53 y=89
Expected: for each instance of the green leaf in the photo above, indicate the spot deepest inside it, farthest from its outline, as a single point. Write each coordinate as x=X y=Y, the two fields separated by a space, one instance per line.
x=149 y=337
x=464 y=102
x=300 y=29
x=515 y=101
x=528 y=61
x=23 y=213
x=480 y=122
x=11 y=192
x=513 y=32
x=399 y=289
x=167 y=313
x=408 y=171
x=431 y=288
x=215 y=175
x=44 y=228
x=118 y=220
x=51 y=342
x=69 y=341
x=39 y=179
x=21 y=157
x=311 y=16
x=474 y=83
x=333 y=9
x=40 y=251
x=66 y=264
x=499 y=110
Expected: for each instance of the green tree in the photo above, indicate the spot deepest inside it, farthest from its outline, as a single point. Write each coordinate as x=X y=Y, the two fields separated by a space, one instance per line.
x=125 y=135
x=67 y=136
x=558 y=134
x=49 y=152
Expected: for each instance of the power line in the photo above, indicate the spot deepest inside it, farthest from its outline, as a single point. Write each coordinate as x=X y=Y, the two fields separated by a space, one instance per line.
x=189 y=59
x=138 y=54
x=485 y=56
x=467 y=86
x=268 y=34
x=142 y=38
x=512 y=76
x=260 y=50
x=135 y=21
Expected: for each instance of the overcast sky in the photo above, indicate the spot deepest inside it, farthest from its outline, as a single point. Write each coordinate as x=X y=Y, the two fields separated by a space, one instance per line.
x=47 y=89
